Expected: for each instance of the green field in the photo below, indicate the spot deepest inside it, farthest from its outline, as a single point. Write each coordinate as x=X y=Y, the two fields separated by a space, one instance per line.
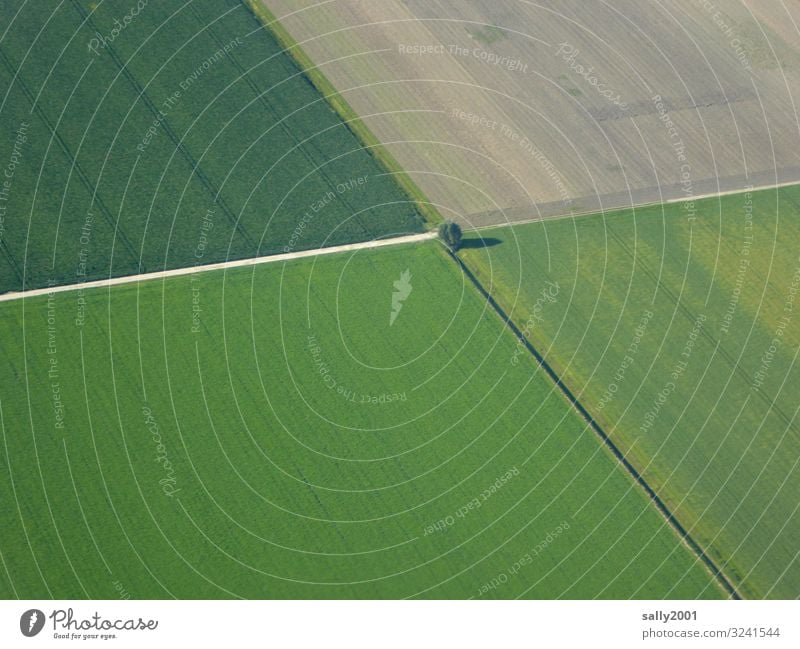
x=185 y=138
x=681 y=338
x=286 y=440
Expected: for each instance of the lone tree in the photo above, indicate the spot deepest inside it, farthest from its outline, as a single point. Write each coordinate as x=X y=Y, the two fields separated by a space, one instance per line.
x=450 y=234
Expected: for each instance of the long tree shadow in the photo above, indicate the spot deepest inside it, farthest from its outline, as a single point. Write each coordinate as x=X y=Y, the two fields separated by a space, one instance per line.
x=480 y=242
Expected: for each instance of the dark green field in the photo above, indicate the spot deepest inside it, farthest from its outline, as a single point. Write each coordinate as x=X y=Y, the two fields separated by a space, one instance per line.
x=681 y=338
x=268 y=433
x=186 y=137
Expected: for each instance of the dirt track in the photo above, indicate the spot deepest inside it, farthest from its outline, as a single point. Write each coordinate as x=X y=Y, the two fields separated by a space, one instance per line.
x=190 y=270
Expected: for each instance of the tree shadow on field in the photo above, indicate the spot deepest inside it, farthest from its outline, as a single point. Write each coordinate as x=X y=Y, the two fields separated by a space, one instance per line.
x=479 y=242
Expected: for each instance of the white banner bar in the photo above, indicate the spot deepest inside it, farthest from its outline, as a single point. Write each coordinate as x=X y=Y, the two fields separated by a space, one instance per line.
x=400 y=625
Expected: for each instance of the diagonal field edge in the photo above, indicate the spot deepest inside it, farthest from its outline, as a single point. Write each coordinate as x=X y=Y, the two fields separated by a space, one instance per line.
x=676 y=525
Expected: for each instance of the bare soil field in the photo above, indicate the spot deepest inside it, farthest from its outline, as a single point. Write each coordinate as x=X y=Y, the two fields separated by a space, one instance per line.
x=505 y=110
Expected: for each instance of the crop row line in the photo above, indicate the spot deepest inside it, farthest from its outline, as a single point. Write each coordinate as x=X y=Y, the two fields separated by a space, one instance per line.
x=197 y=170
x=82 y=175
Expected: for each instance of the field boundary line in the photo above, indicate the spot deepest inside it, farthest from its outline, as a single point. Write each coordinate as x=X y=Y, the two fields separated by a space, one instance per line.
x=427 y=210
x=634 y=206
x=223 y=265
x=660 y=505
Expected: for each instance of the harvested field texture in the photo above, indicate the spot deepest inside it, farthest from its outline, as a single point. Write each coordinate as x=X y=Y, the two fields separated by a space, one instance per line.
x=506 y=110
